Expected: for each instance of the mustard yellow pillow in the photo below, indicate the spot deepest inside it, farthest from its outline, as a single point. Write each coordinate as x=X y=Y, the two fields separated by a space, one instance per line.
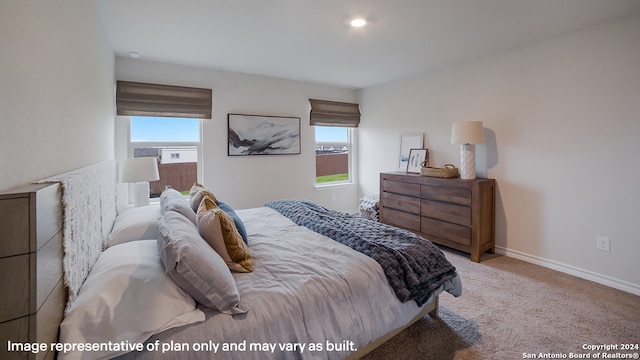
x=219 y=230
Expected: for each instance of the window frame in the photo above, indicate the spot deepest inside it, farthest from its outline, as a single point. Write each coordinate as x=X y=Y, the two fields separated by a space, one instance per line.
x=198 y=145
x=351 y=158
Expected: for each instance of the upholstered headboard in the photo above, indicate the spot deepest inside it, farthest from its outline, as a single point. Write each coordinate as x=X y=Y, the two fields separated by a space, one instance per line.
x=89 y=206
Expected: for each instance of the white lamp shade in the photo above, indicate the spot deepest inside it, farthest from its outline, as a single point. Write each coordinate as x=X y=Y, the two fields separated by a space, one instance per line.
x=467 y=132
x=139 y=169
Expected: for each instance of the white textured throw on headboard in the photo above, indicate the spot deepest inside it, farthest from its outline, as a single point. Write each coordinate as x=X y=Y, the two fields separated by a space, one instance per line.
x=89 y=204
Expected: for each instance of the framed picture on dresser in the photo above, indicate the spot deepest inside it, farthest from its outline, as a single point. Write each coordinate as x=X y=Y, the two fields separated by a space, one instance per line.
x=408 y=142
x=416 y=159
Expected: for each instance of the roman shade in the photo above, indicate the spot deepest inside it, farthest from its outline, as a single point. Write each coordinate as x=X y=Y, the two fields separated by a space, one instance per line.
x=142 y=99
x=333 y=113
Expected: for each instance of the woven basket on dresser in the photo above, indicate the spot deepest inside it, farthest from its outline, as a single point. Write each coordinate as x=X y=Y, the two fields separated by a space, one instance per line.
x=448 y=171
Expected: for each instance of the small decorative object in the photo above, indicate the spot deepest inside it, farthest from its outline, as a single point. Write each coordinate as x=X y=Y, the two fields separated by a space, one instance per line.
x=417 y=157
x=408 y=142
x=263 y=135
x=369 y=207
x=139 y=171
x=448 y=171
x=467 y=133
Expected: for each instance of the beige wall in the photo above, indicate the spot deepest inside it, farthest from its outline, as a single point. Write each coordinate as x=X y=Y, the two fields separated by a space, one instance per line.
x=562 y=120
x=250 y=181
x=56 y=89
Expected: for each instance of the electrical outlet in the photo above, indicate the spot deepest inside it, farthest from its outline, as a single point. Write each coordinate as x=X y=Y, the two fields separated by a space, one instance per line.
x=603 y=243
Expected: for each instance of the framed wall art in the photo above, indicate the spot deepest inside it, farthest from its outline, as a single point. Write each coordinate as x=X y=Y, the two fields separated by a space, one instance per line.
x=408 y=142
x=262 y=135
x=416 y=158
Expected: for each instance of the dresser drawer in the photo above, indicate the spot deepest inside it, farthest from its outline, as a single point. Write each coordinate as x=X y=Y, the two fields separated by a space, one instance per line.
x=14 y=222
x=37 y=328
x=14 y=288
x=401 y=219
x=399 y=187
x=401 y=202
x=17 y=331
x=34 y=277
x=442 y=231
x=456 y=195
x=457 y=214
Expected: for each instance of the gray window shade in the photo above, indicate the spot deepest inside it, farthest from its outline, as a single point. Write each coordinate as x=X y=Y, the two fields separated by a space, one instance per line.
x=332 y=113
x=141 y=99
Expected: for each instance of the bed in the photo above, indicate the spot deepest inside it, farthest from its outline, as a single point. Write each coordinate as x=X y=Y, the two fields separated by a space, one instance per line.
x=293 y=292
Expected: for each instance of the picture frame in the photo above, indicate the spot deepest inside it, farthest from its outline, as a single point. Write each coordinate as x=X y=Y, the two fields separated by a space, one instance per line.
x=416 y=158
x=407 y=142
x=262 y=135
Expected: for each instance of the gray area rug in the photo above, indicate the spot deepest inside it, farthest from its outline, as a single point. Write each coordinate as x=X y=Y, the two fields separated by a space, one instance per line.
x=511 y=309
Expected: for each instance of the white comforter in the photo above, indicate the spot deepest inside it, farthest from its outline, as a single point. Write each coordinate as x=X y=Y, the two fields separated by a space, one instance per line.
x=309 y=298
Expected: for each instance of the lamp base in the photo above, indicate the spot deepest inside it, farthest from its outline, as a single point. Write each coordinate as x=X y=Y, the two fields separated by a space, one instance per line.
x=467 y=161
x=141 y=194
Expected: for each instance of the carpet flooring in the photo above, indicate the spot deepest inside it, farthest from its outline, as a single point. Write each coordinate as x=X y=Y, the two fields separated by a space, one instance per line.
x=511 y=309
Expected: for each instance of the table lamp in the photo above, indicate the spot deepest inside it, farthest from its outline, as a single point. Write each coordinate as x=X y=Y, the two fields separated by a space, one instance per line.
x=139 y=171
x=467 y=134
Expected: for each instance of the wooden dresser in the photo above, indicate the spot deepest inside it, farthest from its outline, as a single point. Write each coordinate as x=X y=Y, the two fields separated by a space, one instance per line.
x=456 y=213
x=32 y=292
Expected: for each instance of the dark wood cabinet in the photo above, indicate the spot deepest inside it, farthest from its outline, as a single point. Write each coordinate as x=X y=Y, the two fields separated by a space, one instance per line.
x=452 y=212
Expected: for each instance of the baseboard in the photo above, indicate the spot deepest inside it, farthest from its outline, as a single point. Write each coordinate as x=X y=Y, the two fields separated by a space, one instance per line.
x=572 y=270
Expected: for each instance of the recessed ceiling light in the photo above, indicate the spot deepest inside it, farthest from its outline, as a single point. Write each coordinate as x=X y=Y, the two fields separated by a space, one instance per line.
x=358 y=22
x=134 y=54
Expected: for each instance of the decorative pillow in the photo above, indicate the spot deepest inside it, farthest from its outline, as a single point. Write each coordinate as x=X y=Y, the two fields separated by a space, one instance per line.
x=210 y=227
x=196 y=194
x=236 y=219
x=172 y=200
x=195 y=266
x=126 y=297
x=140 y=223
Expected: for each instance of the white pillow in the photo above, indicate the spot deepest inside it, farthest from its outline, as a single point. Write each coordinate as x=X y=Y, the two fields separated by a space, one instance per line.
x=140 y=223
x=172 y=200
x=126 y=297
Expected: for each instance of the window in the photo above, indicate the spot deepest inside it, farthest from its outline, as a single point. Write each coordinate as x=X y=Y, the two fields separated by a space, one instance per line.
x=334 y=155
x=335 y=124
x=175 y=143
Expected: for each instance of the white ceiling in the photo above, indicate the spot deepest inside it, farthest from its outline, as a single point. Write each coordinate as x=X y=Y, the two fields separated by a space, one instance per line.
x=311 y=40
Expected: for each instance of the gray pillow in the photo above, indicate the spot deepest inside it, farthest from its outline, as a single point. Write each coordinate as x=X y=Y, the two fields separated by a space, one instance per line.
x=172 y=200
x=195 y=266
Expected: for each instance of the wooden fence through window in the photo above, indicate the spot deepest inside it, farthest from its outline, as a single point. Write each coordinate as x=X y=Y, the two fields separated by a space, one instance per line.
x=179 y=176
x=331 y=164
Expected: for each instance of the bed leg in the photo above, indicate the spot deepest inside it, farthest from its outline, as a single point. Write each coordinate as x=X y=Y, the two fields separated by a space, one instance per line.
x=434 y=313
